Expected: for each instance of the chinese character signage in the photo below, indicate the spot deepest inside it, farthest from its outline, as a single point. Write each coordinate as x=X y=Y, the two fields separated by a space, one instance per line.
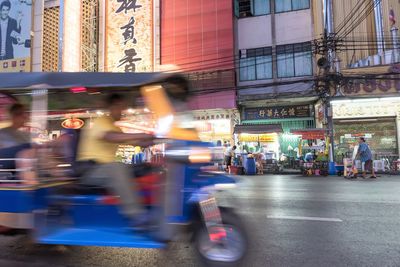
x=129 y=36
x=15 y=31
x=279 y=112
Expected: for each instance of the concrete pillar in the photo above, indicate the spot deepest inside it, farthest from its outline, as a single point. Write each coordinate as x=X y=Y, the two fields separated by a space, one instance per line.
x=156 y=34
x=39 y=109
x=102 y=35
x=71 y=50
x=37 y=35
x=398 y=130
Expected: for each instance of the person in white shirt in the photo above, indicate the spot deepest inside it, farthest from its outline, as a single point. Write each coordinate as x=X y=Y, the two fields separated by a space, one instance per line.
x=229 y=153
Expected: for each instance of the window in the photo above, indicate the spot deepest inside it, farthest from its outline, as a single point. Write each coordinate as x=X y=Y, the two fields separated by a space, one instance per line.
x=291 y=5
x=248 y=8
x=294 y=60
x=256 y=64
x=261 y=7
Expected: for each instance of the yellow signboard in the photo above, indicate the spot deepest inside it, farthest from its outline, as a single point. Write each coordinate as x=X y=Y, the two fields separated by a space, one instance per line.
x=263 y=138
x=268 y=138
x=16 y=65
x=129 y=36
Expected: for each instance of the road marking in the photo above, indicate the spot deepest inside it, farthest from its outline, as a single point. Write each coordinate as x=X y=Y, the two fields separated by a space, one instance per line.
x=301 y=218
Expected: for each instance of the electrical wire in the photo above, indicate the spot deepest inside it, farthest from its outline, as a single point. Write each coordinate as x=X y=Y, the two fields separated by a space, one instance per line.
x=368 y=9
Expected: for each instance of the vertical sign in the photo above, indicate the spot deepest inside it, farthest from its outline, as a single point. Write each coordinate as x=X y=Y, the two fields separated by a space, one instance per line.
x=72 y=28
x=129 y=36
x=15 y=32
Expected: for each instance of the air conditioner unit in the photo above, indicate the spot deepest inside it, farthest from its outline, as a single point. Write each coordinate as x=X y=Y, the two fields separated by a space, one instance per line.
x=244 y=14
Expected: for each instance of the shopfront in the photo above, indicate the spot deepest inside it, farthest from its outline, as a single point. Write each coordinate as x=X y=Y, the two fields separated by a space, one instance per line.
x=376 y=120
x=287 y=117
x=216 y=126
x=259 y=139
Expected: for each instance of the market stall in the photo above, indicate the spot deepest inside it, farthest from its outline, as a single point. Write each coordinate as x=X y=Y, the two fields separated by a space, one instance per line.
x=312 y=151
x=260 y=143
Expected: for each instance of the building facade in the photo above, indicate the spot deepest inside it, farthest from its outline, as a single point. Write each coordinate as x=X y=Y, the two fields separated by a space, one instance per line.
x=198 y=37
x=367 y=105
x=275 y=66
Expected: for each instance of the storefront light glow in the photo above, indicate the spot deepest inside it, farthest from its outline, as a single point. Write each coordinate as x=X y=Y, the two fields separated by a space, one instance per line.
x=164 y=125
x=290 y=136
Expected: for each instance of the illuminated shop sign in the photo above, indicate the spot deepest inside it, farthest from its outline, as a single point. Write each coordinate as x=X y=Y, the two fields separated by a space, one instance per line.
x=72 y=124
x=263 y=138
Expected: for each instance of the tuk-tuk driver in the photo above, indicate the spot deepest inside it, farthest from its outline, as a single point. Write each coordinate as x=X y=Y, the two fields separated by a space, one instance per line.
x=98 y=145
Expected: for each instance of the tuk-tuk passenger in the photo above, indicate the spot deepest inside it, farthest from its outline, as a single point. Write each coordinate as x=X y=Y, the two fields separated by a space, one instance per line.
x=15 y=143
x=98 y=146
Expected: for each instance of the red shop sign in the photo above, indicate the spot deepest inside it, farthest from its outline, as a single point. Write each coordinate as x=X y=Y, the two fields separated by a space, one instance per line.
x=310 y=134
x=73 y=124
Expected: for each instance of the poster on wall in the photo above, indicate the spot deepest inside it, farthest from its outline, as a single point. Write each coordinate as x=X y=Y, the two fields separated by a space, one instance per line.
x=129 y=36
x=15 y=31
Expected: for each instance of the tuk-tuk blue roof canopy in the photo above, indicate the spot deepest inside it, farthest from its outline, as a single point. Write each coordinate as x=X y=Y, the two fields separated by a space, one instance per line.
x=64 y=80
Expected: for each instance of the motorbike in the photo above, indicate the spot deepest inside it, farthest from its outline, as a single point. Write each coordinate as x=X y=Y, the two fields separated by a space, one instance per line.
x=179 y=194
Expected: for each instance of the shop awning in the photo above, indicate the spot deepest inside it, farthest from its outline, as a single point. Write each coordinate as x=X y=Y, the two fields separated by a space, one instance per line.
x=310 y=134
x=258 y=129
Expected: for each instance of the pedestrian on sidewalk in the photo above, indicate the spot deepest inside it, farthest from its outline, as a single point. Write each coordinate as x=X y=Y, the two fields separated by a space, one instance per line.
x=365 y=155
x=229 y=154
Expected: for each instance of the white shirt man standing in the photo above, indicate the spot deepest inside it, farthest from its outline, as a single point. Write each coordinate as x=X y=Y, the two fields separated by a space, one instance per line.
x=229 y=153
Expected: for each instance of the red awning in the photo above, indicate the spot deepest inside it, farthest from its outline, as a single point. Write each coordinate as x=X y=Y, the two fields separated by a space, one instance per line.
x=310 y=134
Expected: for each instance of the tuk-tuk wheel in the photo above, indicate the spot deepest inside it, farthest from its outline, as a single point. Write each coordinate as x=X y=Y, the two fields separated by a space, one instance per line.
x=231 y=251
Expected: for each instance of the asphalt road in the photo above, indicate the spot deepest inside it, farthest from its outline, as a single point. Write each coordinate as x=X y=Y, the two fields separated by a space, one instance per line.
x=292 y=221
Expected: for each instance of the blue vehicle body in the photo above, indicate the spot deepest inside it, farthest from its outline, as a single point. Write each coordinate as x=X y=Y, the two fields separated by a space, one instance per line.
x=95 y=220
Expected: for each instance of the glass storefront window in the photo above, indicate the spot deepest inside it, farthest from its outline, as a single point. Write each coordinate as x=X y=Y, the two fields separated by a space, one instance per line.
x=380 y=134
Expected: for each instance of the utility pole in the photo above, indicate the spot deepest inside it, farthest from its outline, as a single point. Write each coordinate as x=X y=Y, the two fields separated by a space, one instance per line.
x=328 y=51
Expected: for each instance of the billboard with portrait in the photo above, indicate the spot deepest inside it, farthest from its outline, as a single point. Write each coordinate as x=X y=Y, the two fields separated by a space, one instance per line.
x=15 y=31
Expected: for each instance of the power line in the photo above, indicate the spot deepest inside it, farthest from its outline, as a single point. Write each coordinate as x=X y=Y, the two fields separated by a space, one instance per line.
x=369 y=7
x=349 y=17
